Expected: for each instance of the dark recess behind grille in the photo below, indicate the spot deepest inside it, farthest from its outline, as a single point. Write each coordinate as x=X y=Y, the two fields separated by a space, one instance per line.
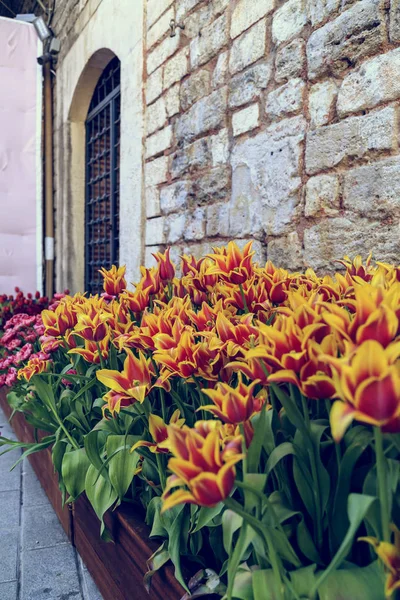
x=102 y=177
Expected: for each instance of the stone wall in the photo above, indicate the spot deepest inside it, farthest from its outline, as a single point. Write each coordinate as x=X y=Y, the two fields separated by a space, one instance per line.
x=274 y=121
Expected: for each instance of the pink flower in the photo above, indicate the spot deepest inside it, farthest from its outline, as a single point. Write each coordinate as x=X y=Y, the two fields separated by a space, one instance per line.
x=2 y=380
x=66 y=381
x=49 y=343
x=11 y=377
x=13 y=344
x=23 y=354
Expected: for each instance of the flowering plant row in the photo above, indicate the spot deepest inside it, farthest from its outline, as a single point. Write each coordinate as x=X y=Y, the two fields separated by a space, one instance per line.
x=253 y=412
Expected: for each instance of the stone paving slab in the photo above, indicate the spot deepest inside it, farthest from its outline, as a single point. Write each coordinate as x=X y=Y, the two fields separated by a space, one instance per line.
x=37 y=562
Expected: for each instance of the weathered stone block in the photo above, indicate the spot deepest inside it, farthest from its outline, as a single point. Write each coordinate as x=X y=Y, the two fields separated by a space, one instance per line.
x=167 y=48
x=172 y=103
x=195 y=226
x=376 y=81
x=206 y=46
x=322 y=102
x=208 y=113
x=155 y=9
x=176 y=68
x=159 y=142
x=198 y=20
x=174 y=197
x=267 y=172
x=247 y=86
x=195 y=87
x=374 y=191
x=211 y=187
x=184 y=6
x=286 y=252
x=247 y=12
x=333 y=238
x=355 y=34
x=319 y=10
x=220 y=148
x=156 y=116
x=160 y=28
x=248 y=48
x=217 y=220
x=156 y=171
x=152 y=195
x=290 y=60
x=175 y=225
x=193 y=156
x=352 y=138
x=154 y=86
x=322 y=196
x=155 y=231
x=288 y=21
x=221 y=70
x=287 y=99
x=246 y=119
x=394 y=27
x=245 y=211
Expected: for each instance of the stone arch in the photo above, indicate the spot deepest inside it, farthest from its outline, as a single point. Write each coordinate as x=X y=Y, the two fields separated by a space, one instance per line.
x=73 y=225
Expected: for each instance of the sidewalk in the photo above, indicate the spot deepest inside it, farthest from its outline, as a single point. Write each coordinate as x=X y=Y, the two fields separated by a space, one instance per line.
x=37 y=562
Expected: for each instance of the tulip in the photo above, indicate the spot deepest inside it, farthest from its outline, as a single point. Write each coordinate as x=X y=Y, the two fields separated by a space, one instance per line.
x=59 y=321
x=114 y=281
x=234 y=405
x=34 y=367
x=134 y=382
x=91 y=329
x=368 y=385
x=390 y=556
x=166 y=267
x=231 y=264
x=201 y=466
x=159 y=432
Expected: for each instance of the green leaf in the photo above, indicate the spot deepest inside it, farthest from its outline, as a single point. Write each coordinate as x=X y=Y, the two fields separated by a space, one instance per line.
x=73 y=470
x=123 y=462
x=302 y=580
x=154 y=519
x=358 y=506
x=265 y=585
x=254 y=451
x=243 y=584
x=94 y=443
x=205 y=515
x=231 y=522
x=366 y=583
x=279 y=452
x=45 y=392
x=339 y=522
x=155 y=562
x=100 y=494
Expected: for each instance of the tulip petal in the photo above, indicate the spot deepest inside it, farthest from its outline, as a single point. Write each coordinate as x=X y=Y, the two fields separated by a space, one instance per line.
x=342 y=414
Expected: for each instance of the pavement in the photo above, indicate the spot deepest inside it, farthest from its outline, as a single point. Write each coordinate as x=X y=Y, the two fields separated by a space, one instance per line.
x=37 y=562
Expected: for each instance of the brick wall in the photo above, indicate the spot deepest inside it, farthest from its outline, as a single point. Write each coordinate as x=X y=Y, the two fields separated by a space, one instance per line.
x=275 y=121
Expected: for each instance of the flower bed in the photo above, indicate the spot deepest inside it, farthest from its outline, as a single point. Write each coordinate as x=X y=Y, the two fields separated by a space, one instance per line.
x=254 y=413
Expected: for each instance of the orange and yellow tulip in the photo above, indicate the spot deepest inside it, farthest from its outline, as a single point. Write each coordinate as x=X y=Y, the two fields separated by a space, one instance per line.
x=232 y=264
x=199 y=464
x=234 y=405
x=114 y=281
x=390 y=556
x=368 y=385
x=34 y=367
x=159 y=432
x=134 y=382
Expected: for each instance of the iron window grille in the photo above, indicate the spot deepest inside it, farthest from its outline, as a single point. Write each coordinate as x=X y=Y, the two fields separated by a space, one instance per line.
x=103 y=127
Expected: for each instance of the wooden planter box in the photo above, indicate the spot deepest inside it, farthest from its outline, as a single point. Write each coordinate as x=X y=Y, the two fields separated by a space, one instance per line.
x=117 y=568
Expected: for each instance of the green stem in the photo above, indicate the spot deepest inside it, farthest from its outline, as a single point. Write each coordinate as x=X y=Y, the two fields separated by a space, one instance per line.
x=246 y=308
x=163 y=410
x=234 y=560
x=264 y=499
x=382 y=484
x=314 y=472
x=328 y=405
x=263 y=531
x=100 y=356
x=244 y=448
x=161 y=470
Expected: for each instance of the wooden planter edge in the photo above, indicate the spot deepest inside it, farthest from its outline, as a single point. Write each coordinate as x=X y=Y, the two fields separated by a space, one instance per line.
x=117 y=568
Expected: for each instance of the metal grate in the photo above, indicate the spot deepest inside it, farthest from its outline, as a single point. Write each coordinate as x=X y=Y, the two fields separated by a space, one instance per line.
x=103 y=128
